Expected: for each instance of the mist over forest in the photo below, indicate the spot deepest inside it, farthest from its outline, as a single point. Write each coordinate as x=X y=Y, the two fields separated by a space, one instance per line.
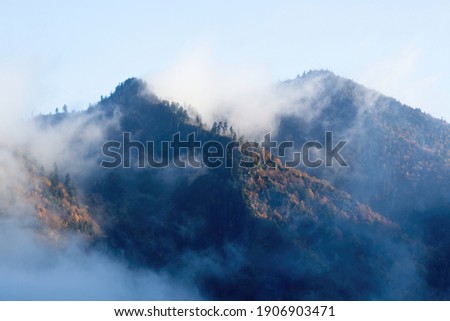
x=374 y=230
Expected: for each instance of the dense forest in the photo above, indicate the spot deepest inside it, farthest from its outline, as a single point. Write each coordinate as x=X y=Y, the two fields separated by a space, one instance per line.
x=373 y=230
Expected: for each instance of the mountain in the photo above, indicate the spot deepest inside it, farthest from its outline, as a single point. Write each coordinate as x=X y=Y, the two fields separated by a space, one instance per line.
x=395 y=152
x=372 y=230
x=399 y=159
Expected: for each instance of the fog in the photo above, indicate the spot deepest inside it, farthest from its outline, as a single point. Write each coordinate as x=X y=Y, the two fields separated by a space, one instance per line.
x=36 y=268
x=40 y=263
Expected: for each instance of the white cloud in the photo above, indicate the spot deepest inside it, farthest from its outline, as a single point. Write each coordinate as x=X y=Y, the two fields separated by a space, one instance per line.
x=241 y=94
x=33 y=269
x=246 y=96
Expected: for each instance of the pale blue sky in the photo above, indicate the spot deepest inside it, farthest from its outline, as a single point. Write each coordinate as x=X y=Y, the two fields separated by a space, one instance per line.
x=56 y=52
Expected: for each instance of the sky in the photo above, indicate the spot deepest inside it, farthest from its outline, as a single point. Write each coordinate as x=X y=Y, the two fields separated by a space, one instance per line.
x=71 y=52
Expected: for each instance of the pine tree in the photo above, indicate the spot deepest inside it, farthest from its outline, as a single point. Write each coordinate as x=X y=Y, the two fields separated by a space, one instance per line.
x=54 y=176
x=71 y=192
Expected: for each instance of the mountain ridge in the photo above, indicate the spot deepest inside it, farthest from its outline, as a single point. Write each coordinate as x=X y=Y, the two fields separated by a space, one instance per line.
x=285 y=233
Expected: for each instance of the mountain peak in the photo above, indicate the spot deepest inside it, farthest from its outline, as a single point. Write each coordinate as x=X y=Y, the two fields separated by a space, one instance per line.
x=131 y=86
x=317 y=72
